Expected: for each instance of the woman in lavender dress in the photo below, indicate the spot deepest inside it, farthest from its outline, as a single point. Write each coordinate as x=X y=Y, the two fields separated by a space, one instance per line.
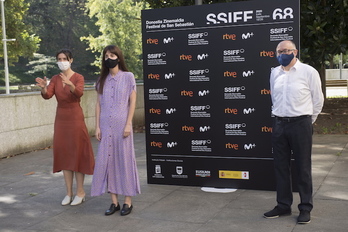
x=115 y=170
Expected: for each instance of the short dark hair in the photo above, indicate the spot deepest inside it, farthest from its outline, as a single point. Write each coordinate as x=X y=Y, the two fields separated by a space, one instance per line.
x=66 y=52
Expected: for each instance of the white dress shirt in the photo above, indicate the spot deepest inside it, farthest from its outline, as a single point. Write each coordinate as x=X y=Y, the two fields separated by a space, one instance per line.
x=296 y=92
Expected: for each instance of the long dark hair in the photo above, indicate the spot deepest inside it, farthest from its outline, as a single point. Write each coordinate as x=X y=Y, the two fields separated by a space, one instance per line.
x=66 y=52
x=105 y=70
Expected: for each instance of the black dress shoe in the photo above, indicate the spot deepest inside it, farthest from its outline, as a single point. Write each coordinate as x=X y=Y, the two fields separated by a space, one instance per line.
x=126 y=209
x=113 y=208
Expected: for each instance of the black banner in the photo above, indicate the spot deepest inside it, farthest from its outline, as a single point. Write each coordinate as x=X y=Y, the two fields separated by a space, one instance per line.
x=207 y=95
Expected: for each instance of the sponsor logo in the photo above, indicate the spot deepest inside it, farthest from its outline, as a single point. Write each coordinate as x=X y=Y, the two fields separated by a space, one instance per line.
x=265 y=91
x=249 y=146
x=199 y=75
x=233 y=146
x=152 y=76
x=154 y=111
x=179 y=171
x=186 y=57
x=202 y=56
x=188 y=128
x=204 y=128
x=154 y=91
x=152 y=41
x=233 y=55
x=197 y=35
x=171 y=144
x=156 y=55
x=225 y=174
x=186 y=93
x=203 y=93
x=158 y=94
x=229 y=36
x=158 y=169
x=156 y=144
x=248 y=110
x=235 y=129
x=247 y=35
x=234 y=89
x=231 y=111
x=230 y=74
x=200 y=111
x=203 y=173
x=169 y=76
x=201 y=145
x=248 y=73
x=267 y=53
x=170 y=111
x=229 y=17
x=280 y=30
x=168 y=40
x=197 y=39
x=159 y=128
x=266 y=129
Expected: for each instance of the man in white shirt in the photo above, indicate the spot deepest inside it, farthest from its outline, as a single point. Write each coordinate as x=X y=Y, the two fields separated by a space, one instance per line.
x=297 y=100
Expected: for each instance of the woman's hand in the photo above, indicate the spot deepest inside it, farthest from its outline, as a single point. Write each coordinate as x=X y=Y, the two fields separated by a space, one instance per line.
x=41 y=82
x=127 y=131
x=98 y=133
x=65 y=79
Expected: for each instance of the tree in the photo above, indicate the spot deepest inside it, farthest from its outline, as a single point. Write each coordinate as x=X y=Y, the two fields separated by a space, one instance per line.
x=324 y=32
x=60 y=24
x=26 y=43
x=119 y=24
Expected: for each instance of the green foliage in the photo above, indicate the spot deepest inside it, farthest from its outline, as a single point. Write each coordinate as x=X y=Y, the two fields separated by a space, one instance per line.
x=41 y=65
x=26 y=43
x=119 y=24
x=60 y=24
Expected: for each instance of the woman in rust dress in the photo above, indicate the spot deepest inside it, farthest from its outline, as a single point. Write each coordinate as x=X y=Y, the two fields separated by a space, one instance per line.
x=72 y=149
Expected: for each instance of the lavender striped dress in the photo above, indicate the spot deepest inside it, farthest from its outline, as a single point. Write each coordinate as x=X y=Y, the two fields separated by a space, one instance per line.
x=115 y=168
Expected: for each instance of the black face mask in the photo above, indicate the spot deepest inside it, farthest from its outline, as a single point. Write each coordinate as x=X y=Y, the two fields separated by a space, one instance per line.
x=109 y=63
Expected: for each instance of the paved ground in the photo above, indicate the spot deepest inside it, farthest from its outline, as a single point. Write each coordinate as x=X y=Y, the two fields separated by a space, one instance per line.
x=30 y=197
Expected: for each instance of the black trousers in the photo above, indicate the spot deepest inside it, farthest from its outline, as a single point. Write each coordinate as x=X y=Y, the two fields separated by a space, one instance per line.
x=292 y=137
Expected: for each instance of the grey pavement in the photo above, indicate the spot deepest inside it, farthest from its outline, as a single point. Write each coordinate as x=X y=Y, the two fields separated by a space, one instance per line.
x=30 y=196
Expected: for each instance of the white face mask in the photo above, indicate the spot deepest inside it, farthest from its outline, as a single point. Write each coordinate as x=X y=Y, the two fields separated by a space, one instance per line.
x=63 y=65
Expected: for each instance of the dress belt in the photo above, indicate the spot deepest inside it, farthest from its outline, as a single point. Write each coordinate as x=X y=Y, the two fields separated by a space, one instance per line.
x=291 y=119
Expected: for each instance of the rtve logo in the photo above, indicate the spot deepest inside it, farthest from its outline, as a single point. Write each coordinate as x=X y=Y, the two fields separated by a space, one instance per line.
x=247 y=35
x=267 y=53
x=186 y=93
x=156 y=144
x=202 y=57
x=265 y=91
x=229 y=36
x=168 y=40
x=188 y=128
x=230 y=74
x=154 y=111
x=152 y=76
x=186 y=57
x=231 y=111
x=249 y=146
x=152 y=41
x=266 y=129
x=233 y=146
x=172 y=144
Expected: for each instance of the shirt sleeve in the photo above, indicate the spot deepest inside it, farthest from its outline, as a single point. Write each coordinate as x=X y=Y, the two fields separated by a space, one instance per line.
x=79 y=86
x=317 y=95
x=50 y=88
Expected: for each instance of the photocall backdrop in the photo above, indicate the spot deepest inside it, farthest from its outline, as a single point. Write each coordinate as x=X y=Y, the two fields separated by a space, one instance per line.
x=207 y=94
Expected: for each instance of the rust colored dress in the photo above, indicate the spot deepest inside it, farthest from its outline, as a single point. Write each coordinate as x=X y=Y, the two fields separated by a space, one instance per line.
x=72 y=149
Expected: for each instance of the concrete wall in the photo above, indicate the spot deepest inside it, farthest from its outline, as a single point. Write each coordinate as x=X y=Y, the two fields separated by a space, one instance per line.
x=27 y=119
x=334 y=74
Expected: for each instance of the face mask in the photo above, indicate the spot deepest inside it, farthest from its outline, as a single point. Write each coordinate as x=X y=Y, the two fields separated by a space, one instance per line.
x=63 y=65
x=109 y=63
x=285 y=59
